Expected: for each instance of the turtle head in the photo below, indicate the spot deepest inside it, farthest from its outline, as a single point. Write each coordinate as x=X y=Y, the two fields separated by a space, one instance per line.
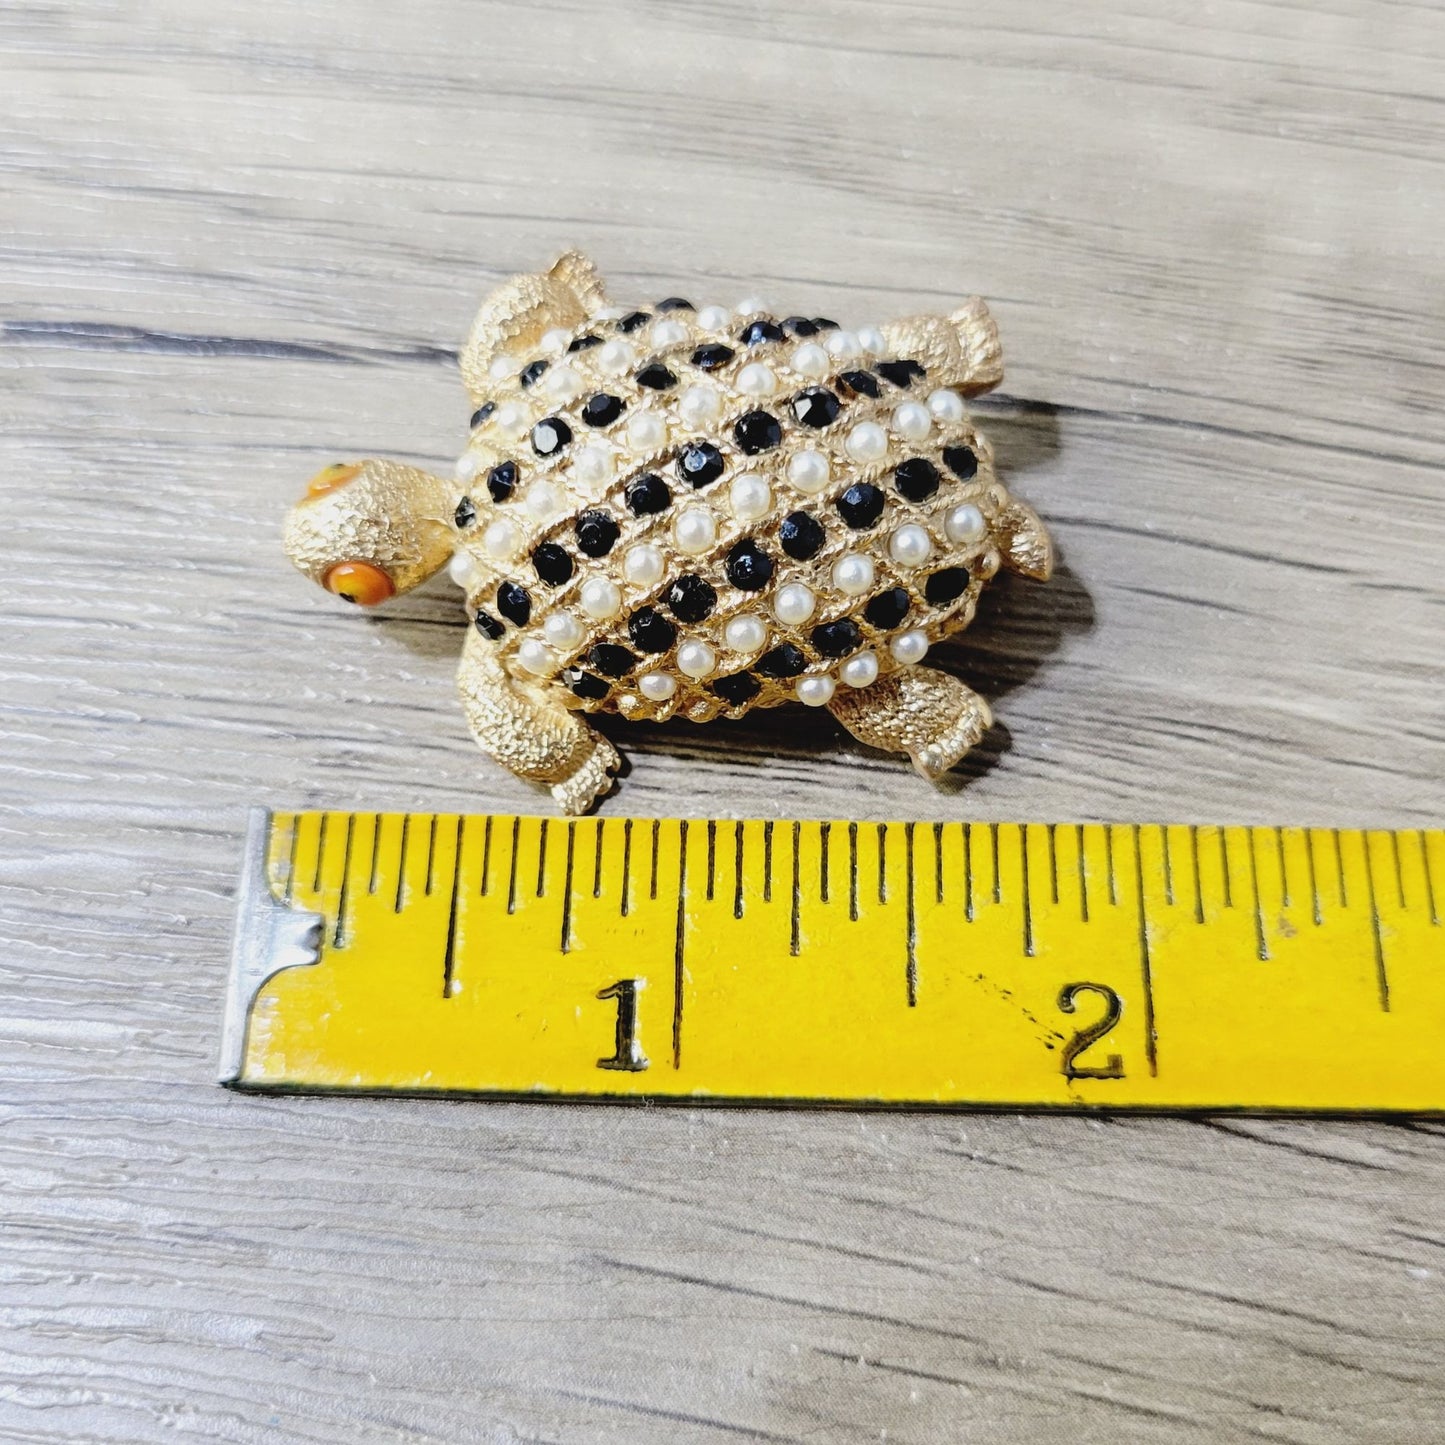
x=370 y=530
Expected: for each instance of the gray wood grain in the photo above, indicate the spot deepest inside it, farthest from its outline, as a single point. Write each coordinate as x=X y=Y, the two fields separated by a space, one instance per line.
x=240 y=240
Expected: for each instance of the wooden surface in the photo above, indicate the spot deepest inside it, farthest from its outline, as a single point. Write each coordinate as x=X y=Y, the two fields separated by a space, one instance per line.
x=241 y=240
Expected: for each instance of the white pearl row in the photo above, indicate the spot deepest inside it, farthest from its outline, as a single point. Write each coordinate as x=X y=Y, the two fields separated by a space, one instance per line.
x=503 y=367
x=750 y=497
x=656 y=686
x=616 y=356
x=562 y=383
x=815 y=691
x=867 y=442
x=755 y=379
x=809 y=471
x=542 y=501
x=563 y=631
x=750 y=306
x=843 y=345
x=694 y=530
x=965 y=524
x=592 y=464
x=946 y=405
x=912 y=421
x=536 y=656
x=646 y=432
x=713 y=318
x=700 y=405
x=853 y=574
x=910 y=545
x=501 y=538
x=465 y=572
x=557 y=340
x=870 y=338
x=910 y=646
x=696 y=659
x=512 y=419
x=811 y=360
x=860 y=670
x=794 y=604
x=746 y=632
x=643 y=565
x=668 y=333
x=600 y=598
x=467 y=467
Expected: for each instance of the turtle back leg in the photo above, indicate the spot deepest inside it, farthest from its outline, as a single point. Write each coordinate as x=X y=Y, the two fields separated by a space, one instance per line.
x=920 y=711
x=531 y=734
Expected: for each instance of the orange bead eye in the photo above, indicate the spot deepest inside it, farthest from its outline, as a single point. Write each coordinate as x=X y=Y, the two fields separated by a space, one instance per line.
x=360 y=582
x=328 y=479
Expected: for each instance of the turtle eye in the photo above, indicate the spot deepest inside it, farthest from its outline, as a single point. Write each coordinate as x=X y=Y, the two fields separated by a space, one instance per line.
x=328 y=479
x=360 y=582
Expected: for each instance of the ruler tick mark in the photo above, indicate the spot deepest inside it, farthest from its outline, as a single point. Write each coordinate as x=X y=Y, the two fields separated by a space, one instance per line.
x=679 y=940
x=431 y=848
x=486 y=855
x=938 y=862
x=597 y=860
x=289 y=891
x=1315 y=911
x=794 y=923
x=542 y=859
x=1224 y=868
x=911 y=973
x=824 y=832
x=512 y=872
x=738 y=870
x=1399 y=871
x=401 y=863
x=997 y=877
x=375 y=852
x=1261 y=943
x=1028 y=896
x=852 y=872
x=1168 y=865
x=449 y=959
x=1340 y=868
x=1109 y=863
x=1151 y=1042
x=320 y=852
x=1198 y=881
x=656 y=834
x=883 y=862
x=1381 y=978
x=711 y=856
x=338 y=935
x=567 y=888
x=767 y=862
x=1283 y=866
x=968 y=871
x=626 y=866
x=1053 y=865
x=1429 y=882
x=1083 y=875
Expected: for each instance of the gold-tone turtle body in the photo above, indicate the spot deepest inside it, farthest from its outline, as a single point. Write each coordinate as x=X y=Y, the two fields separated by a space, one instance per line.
x=675 y=510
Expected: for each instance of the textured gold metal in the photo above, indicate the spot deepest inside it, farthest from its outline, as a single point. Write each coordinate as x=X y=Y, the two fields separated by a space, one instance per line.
x=405 y=521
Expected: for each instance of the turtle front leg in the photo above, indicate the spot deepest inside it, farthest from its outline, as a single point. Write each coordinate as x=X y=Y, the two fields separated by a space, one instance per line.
x=920 y=711
x=532 y=735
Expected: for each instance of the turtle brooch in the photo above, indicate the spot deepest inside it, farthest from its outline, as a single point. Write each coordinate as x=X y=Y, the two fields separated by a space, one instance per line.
x=695 y=511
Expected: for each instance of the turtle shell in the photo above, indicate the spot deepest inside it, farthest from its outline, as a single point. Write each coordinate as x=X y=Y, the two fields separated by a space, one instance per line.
x=701 y=512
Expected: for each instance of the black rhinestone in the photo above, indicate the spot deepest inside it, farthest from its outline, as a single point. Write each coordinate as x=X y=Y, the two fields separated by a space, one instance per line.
x=465 y=514
x=887 y=609
x=859 y=383
x=656 y=377
x=837 y=639
x=946 y=586
x=737 y=689
x=481 y=414
x=532 y=371
x=633 y=320
x=801 y=536
x=647 y=495
x=823 y=324
x=816 y=407
x=755 y=333
x=585 y=343
x=674 y=303
x=961 y=461
x=749 y=567
x=900 y=373
x=501 y=479
x=587 y=687
x=650 y=630
x=861 y=505
x=713 y=355
x=757 y=431
x=799 y=326
x=513 y=603
x=700 y=464
x=783 y=661
x=596 y=533
x=553 y=564
x=488 y=626
x=602 y=410
x=917 y=479
x=611 y=660
x=690 y=599
x=550 y=436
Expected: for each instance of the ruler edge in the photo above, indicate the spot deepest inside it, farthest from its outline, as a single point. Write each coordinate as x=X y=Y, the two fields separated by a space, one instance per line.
x=263 y=917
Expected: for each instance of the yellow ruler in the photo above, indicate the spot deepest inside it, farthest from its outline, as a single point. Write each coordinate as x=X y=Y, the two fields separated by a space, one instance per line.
x=1040 y=965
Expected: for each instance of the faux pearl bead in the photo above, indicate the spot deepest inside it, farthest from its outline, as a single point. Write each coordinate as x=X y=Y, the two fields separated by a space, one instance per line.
x=467 y=467
x=867 y=442
x=912 y=421
x=700 y=405
x=563 y=631
x=794 y=604
x=815 y=691
x=600 y=598
x=910 y=545
x=750 y=306
x=668 y=333
x=965 y=524
x=536 y=656
x=910 y=646
x=616 y=356
x=870 y=338
x=745 y=633
x=844 y=345
x=695 y=530
x=853 y=574
x=501 y=539
x=610 y=313
x=503 y=366
x=512 y=419
x=463 y=570
x=860 y=669
x=696 y=659
x=656 y=686
x=643 y=565
x=809 y=472
x=751 y=497
x=591 y=464
x=713 y=318
x=811 y=360
x=646 y=432
x=755 y=379
x=946 y=405
x=562 y=383
x=556 y=341
x=542 y=501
